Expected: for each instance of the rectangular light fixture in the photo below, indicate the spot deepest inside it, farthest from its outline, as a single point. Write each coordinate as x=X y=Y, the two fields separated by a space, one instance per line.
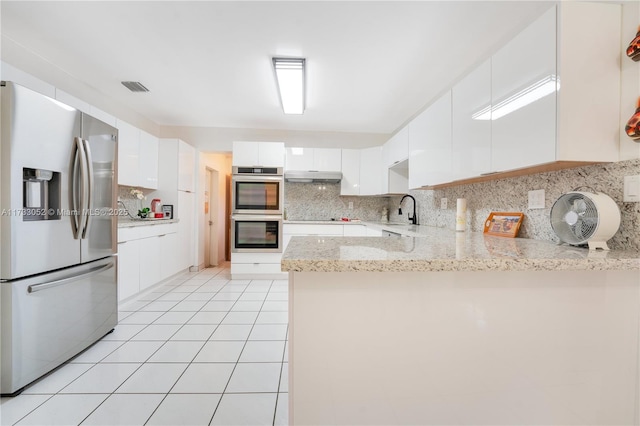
x=524 y=97
x=290 y=75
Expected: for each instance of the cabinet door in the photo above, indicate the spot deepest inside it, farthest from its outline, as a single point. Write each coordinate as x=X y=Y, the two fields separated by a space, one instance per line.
x=186 y=167
x=245 y=154
x=148 y=169
x=350 y=183
x=299 y=158
x=271 y=154
x=186 y=211
x=396 y=149
x=355 y=230
x=430 y=145
x=128 y=154
x=525 y=136
x=471 y=137
x=370 y=171
x=149 y=262
x=128 y=269
x=327 y=159
x=169 y=255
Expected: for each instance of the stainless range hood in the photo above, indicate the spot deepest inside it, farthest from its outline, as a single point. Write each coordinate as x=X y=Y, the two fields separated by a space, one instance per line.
x=312 y=176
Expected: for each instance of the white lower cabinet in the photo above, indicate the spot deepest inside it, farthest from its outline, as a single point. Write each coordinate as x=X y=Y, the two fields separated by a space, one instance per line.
x=169 y=263
x=256 y=266
x=149 y=262
x=146 y=256
x=355 y=231
x=128 y=268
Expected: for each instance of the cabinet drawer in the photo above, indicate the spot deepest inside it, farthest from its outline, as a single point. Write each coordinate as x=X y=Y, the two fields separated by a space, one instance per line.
x=255 y=268
x=256 y=257
x=159 y=229
x=126 y=234
x=313 y=229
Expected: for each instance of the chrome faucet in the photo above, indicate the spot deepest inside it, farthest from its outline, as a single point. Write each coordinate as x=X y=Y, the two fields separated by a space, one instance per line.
x=413 y=219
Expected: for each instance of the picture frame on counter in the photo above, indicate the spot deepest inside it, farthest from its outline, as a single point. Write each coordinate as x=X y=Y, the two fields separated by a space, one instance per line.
x=167 y=210
x=503 y=224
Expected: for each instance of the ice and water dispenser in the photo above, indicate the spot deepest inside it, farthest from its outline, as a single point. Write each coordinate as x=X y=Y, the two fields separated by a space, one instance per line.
x=41 y=194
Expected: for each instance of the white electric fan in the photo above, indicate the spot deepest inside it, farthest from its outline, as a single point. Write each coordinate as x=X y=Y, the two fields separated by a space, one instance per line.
x=585 y=217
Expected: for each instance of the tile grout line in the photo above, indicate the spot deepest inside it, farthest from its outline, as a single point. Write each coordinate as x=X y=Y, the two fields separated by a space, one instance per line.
x=241 y=351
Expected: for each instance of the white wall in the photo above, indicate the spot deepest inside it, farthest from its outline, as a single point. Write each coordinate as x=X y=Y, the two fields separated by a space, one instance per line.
x=630 y=79
x=220 y=162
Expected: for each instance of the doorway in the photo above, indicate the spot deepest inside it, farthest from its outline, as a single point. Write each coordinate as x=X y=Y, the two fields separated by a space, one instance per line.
x=211 y=219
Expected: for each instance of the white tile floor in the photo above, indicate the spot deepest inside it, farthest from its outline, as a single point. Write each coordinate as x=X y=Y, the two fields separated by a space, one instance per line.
x=201 y=350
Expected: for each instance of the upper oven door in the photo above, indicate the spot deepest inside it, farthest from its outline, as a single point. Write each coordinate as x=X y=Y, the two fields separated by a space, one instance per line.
x=257 y=194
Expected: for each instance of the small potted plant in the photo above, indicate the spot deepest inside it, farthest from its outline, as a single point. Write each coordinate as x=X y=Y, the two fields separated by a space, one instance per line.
x=143 y=213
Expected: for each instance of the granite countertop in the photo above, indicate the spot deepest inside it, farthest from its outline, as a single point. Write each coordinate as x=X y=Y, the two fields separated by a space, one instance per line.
x=427 y=248
x=326 y=222
x=128 y=223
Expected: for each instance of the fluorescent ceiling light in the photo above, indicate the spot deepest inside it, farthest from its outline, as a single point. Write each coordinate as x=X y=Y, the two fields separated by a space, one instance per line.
x=526 y=96
x=290 y=77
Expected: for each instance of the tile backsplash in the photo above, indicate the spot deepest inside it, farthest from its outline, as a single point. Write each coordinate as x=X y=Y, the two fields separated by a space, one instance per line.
x=512 y=195
x=312 y=201
x=306 y=201
x=131 y=203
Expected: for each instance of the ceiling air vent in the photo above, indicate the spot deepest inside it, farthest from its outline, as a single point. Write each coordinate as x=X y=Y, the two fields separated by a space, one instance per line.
x=134 y=86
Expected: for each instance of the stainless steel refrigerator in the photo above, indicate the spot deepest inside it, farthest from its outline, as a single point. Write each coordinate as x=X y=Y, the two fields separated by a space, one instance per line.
x=58 y=290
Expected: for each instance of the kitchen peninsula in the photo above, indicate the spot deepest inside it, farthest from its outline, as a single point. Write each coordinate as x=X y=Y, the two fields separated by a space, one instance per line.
x=458 y=328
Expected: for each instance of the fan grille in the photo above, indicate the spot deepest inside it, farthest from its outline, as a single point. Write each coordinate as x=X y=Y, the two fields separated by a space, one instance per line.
x=574 y=218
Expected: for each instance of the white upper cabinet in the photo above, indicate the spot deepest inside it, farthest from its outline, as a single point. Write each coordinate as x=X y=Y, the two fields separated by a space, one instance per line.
x=318 y=159
x=327 y=159
x=471 y=138
x=350 y=183
x=577 y=47
x=396 y=149
x=589 y=70
x=298 y=158
x=262 y=154
x=186 y=167
x=148 y=165
x=430 y=145
x=137 y=157
x=128 y=154
x=370 y=167
x=550 y=96
x=523 y=70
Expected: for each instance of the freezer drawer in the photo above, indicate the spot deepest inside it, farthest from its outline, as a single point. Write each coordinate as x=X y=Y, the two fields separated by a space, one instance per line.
x=49 y=318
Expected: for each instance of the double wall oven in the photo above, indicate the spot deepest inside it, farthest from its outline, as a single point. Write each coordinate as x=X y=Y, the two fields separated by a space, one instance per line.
x=257 y=198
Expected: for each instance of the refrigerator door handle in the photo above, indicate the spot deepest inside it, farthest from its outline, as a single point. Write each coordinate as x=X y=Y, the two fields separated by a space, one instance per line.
x=74 y=188
x=45 y=286
x=89 y=180
x=81 y=208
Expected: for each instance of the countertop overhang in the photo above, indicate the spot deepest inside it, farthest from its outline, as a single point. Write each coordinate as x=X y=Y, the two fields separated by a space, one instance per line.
x=129 y=223
x=426 y=248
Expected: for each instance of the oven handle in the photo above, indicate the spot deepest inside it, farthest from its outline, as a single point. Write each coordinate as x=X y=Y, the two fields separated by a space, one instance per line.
x=257 y=218
x=256 y=178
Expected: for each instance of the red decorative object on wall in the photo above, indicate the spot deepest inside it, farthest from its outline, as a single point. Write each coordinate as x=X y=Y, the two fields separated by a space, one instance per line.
x=633 y=125
x=633 y=51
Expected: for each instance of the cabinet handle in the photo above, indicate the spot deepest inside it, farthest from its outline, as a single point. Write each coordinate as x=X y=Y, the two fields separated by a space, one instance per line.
x=256 y=264
x=396 y=162
x=121 y=242
x=162 y=235
x=488 y=173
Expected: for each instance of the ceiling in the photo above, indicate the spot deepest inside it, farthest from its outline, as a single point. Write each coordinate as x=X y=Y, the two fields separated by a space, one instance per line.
x=372 y=65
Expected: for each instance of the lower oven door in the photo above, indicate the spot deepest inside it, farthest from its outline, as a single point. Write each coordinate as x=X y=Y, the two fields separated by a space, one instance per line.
x=256 y=234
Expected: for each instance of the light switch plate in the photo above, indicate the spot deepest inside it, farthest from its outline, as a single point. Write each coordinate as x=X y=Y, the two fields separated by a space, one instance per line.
x=443 y=203
x=631 y=189
x=536 y=199
x=350 y=205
